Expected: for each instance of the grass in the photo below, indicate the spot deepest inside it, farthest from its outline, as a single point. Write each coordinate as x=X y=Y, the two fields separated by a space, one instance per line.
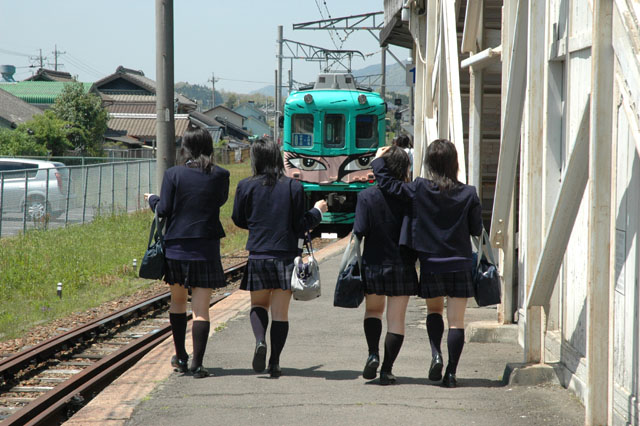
x=92 y=261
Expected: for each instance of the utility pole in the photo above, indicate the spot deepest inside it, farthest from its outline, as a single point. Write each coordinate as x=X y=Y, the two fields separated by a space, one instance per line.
x=278 y=84
x=213 y=90
x=56 y=53
x=165 y=126
x=38 y=59
x=383 y=85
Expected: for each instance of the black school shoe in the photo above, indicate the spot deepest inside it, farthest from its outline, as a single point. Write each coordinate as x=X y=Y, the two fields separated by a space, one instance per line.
x=387 y=378
x=199 y=372
x=179 y=365
x=435 y=371
x=275 y=371
x=449 y=379
x=371 y=367
x=259 y=357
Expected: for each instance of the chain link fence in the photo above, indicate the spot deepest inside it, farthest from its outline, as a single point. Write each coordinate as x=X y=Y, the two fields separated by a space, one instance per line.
x=49 y=194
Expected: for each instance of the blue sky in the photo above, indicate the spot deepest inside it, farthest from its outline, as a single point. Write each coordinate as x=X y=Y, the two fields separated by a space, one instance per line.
x=234 y=39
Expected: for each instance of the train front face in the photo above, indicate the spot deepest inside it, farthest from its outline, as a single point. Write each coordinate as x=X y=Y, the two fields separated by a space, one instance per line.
x=330 y=138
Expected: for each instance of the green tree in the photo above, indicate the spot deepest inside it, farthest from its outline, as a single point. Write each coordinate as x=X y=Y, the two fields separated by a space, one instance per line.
x=49 y=131
x=232 y=101
x=14 y=143
x=86 y=117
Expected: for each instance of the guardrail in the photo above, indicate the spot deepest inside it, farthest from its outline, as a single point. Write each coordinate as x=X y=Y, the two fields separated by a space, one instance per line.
x=54 y=197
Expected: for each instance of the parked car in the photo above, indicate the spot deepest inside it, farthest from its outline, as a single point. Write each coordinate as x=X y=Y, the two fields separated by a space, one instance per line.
x=23 y=185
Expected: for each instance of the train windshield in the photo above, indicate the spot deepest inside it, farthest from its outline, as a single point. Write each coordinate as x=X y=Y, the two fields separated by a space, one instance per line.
x=366 y=131
x=334 y=130
x=302 y=131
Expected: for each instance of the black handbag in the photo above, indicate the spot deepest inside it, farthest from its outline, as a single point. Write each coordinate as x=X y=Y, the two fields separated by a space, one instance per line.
x=349 y=291
x=152 y=265
x=486 y=279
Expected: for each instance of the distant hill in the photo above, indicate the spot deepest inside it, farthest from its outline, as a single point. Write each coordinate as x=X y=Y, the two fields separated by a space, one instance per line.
x=396 y=78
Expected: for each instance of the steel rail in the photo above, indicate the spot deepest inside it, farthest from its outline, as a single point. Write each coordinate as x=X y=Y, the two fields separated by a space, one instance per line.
x=53 y=405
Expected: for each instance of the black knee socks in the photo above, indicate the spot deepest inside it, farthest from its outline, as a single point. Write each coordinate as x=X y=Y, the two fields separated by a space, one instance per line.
x=200 y=334
x=455 y=343
x=259 y=318
x=179 y=330
x=392 y=345
x=279 y=331
x=435 y=330
x=372 y=331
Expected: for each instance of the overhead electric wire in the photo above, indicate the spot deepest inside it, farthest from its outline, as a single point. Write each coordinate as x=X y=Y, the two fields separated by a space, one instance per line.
x=11 y=52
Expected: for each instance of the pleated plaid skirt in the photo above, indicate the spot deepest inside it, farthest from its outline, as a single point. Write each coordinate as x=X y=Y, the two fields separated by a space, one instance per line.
x=267 y=274
x=195 y=273
x=452 y=284
x=391 y=280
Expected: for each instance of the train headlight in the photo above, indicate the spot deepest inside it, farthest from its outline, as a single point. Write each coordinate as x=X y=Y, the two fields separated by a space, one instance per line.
x=308 y=98
x=362 y=99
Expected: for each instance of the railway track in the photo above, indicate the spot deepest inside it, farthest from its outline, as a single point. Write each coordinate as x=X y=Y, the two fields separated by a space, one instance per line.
x=49 y=381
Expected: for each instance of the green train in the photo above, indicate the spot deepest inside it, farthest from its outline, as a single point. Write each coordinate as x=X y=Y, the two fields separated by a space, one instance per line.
x=331 y=133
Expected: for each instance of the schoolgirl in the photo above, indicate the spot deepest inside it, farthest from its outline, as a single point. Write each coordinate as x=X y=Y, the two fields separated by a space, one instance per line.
x=389 y=270
x=443 y=215
x=190 y=199
x=271 y=207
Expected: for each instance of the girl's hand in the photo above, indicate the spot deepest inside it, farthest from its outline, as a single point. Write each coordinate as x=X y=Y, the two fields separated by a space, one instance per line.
x=321 y=205
x=380 y=152
x=147 y=195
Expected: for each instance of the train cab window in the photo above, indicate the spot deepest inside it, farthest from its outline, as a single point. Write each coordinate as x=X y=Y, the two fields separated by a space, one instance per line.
x=302 y=131
x=366 y=131
x=334 y=125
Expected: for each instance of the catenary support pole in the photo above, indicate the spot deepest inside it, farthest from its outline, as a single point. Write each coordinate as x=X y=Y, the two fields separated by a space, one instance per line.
x=599 y=318
x=165 y=126
x=383 y=60
x=279 y=81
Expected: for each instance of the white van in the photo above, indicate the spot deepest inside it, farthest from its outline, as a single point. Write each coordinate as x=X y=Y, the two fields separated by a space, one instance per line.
x=23 y=184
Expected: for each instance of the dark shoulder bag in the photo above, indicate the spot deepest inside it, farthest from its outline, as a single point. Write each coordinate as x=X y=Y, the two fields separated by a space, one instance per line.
x=152 y=266
x=486 y=279
x=349 y=291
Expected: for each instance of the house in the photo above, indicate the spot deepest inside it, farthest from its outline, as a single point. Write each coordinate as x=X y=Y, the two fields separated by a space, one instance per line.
x=130 y=98
x=130 y=91
x=50 y=75
x=14 y=111
x=257 y=127
x=228 y=115
x=41 y=94
x=249 y=109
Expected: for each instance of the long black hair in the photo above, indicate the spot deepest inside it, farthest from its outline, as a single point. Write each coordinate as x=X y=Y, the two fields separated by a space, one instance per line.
x=397 y=161
x=196 y=149
x=266 y=160
x=442 y=164
x=403 y=141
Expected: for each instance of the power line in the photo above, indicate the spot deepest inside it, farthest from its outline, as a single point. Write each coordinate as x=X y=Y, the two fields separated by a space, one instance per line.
x=11 y=52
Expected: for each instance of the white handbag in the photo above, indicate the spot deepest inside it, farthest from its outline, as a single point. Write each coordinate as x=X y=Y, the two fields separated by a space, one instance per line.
x=305 y=280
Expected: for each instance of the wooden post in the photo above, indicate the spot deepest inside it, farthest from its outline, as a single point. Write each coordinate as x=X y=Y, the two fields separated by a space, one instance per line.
x=599 y=397
x=534 y=139
x=476 y=88
x=453 y=84
x=510 y=132
x=419 y=140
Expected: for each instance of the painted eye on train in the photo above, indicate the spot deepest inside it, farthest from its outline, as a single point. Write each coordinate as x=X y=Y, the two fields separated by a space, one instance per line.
x=307 y=164
x=360 y=163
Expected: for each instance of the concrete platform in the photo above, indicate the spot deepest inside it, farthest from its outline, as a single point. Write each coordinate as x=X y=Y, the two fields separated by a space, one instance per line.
x=322 y=383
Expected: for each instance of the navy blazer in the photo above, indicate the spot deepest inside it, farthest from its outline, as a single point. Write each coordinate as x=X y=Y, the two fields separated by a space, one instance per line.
x=274 y=215
x=190 y=199
x=379 y=218
x=440 y=222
